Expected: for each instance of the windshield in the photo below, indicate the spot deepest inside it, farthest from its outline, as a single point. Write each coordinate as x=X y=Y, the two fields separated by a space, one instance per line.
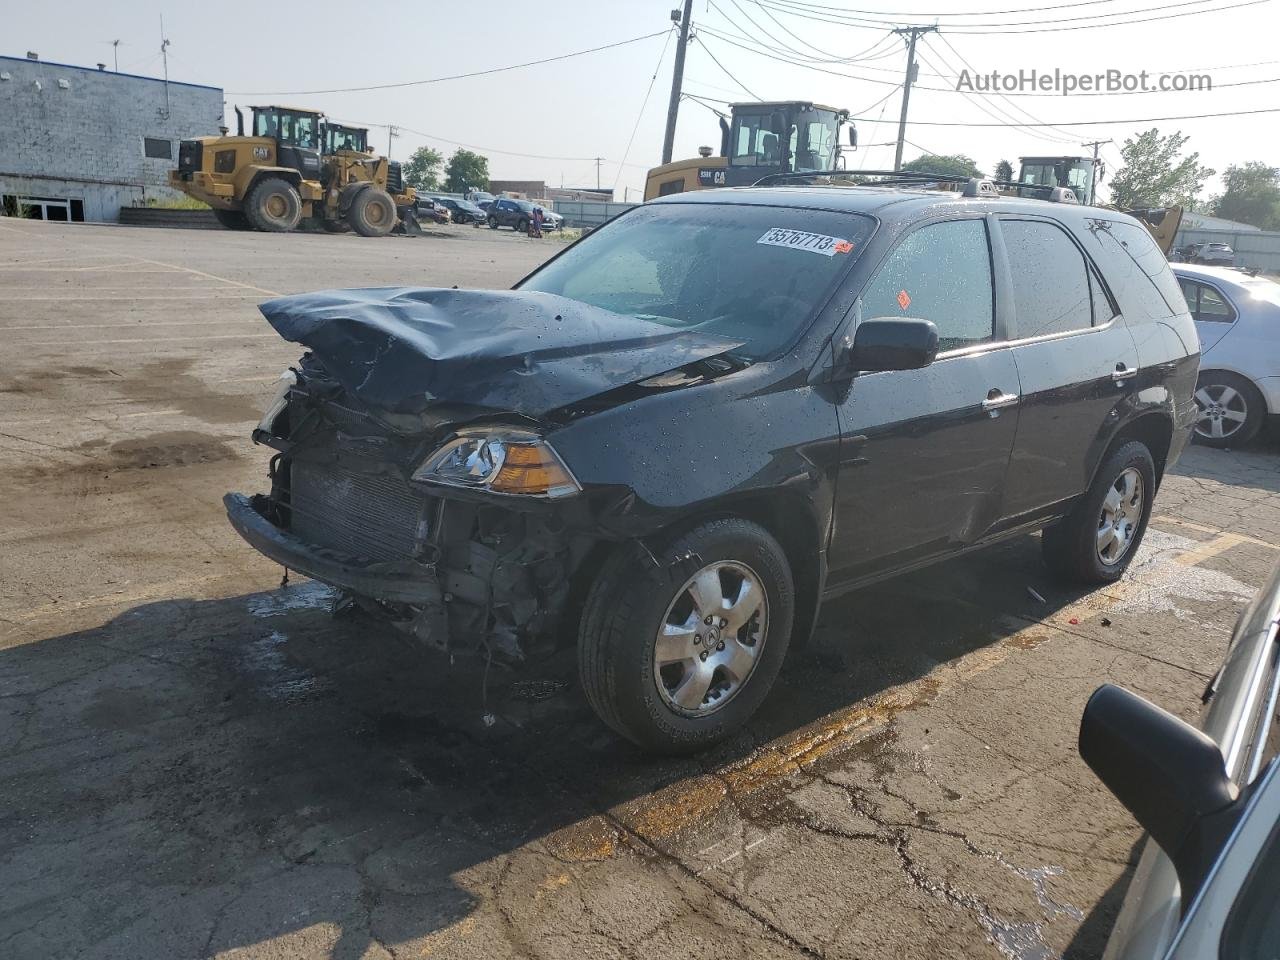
x=749 y=273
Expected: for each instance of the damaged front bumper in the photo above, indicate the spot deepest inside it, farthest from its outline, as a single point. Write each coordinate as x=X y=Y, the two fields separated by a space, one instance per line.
x=403 y=581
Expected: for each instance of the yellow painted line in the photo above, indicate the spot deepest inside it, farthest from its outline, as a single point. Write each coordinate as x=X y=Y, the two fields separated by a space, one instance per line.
x=211 y=276
x=1202 y=528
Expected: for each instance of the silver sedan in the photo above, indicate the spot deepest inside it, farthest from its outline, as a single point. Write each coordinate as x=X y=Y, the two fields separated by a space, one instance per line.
x=1238 y=319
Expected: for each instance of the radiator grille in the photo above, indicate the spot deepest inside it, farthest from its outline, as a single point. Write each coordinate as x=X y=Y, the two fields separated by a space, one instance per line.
x=362 y=515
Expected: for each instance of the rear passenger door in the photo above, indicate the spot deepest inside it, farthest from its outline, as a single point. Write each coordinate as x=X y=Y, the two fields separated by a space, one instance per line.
x=923 y=452
x=1077 y=362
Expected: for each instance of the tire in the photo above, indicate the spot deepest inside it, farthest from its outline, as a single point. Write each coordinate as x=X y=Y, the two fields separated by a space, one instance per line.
x=632 y=599
x=522 y=226
x=493 y=223
x=1074 y=547
x=273 y=205
x=1230 y=407
x=232 y=219
x=372 y=213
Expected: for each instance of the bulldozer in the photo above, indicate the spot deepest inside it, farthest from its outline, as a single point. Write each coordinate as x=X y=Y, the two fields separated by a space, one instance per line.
x=758 y=140
x=295 y=164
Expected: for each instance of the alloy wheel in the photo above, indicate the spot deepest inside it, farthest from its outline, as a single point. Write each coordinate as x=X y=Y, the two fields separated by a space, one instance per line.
x=1121 y=515
x=711 y=638
x=1223 y=411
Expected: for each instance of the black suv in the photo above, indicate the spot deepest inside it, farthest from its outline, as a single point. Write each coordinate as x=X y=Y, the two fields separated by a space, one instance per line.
x=675 y=439
x=516 y=214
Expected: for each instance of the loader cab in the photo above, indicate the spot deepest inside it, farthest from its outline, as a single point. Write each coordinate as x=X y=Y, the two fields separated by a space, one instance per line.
x=782 y=137
x=297 y=136
x=338 y=137
x=1076 y=173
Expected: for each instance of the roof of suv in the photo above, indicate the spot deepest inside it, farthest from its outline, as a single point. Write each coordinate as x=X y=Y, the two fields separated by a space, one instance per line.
x=883 y=202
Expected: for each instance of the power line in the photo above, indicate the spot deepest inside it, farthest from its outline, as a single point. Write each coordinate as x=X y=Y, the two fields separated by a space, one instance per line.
x=726 y=69
x=1035 y=26
x=456 y=76
x=1097 y=123
x=755 y=47
x=954 y=13
x=640 y=113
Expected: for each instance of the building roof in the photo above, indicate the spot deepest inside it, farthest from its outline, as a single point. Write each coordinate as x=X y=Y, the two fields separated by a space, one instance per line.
x=1200 y=221
x=111 y=73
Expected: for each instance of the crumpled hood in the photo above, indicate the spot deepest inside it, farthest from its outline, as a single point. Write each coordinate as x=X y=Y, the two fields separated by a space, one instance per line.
x=401 y=349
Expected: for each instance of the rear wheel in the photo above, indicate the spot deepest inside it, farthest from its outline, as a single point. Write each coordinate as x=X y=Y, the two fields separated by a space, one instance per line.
x=273 y=205
x=493 y=223
x=1097 y=540
x=1230 y=410
x=372 y=213
x=678 y=655
x=232 y=219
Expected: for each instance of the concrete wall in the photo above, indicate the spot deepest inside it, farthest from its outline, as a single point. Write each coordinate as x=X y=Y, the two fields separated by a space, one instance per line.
x=1254 y=248
x=78 y=132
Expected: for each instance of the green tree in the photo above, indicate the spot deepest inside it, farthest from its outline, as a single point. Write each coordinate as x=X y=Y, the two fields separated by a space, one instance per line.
x=1004 y=170
x=466 y=171
x=422 y=172
x=1252 y=195
x=952 y=165
x=1155 y=174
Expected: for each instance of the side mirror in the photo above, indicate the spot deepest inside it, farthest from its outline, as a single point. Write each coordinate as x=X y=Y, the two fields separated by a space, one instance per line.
x=853 y=136
x=1168 y=774
x=778 y=122
x=891 y=343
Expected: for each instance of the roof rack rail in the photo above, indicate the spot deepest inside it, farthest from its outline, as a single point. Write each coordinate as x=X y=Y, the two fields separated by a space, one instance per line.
x=966 y=186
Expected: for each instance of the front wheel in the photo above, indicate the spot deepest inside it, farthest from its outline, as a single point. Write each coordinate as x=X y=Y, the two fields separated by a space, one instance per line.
x=273 y=205
x=1096 y=541
x=493 y=223
x=1230 y=410
x=677 y=656
x=372 y=213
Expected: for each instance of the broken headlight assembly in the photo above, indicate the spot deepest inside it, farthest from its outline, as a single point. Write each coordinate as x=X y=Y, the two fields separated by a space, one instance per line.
x=279 y=400
x=501 y=461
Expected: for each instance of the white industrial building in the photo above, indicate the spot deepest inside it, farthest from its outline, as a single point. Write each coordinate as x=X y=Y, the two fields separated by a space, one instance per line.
x=79 y=143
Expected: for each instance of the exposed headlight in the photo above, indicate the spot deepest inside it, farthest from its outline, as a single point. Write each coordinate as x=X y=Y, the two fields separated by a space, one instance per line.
x=284 y=383
x=503 y=461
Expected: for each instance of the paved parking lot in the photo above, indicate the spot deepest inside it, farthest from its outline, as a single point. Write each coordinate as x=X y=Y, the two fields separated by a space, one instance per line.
x=196 y=762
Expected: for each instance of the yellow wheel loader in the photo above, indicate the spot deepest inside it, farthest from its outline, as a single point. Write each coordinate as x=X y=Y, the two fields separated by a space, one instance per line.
x=294 y=165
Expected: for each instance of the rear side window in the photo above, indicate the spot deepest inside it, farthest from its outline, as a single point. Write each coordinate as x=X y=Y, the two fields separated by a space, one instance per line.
x=1137 y=271
x=1206 y=304
x=942 y=273
x=1050 y=279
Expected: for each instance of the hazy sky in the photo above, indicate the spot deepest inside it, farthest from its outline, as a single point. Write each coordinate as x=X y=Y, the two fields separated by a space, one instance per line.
x=552 y=120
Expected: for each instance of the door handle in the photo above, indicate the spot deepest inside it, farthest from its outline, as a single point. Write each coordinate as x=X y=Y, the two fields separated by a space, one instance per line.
x=997 y=400
x=1123 y=373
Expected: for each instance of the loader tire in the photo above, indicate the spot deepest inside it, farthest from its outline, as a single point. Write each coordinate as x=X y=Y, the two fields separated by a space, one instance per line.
x=273 y=205
x=372 y=213
x=232 y=219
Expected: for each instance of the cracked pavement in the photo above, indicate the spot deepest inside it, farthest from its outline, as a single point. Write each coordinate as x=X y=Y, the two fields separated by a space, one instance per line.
x=196 y=762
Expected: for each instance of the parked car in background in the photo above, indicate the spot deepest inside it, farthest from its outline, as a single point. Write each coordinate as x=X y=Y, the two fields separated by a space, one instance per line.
x=505 y=212
x=1205 y=886
x=1237 y=319
x=481 y=198
x=680 y=435
x=550 y=219
x=1215 y=254
x=429 y=209
x=463 y=211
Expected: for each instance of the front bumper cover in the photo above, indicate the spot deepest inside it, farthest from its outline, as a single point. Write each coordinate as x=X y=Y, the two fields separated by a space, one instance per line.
x=396 y=582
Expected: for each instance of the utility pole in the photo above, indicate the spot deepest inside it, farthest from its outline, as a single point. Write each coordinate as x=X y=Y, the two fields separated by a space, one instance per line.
x=1093 y=171
x=164 y=54
x=912 y=71
x=598 y=159
x=677 y=78
x=115 y=50
x=391 y=132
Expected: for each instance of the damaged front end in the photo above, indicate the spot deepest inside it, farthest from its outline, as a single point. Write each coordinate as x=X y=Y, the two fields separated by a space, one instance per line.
x=353 y=504
x=412 y=470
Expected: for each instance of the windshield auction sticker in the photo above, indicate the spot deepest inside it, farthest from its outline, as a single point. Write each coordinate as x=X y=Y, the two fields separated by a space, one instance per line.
x=799 y=240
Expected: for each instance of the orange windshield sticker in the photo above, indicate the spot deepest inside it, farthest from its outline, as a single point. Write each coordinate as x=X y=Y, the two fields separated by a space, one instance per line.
x=904 y=301
x=843 y=246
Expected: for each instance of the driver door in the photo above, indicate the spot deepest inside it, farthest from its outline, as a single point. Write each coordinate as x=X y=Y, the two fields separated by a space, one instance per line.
x=924 y=453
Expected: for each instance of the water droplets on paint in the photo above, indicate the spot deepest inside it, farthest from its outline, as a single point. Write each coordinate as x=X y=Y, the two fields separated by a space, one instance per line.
x=1157 y=583
x=308 y=595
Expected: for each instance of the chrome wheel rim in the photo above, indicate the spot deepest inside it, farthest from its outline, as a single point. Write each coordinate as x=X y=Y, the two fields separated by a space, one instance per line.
x=1223 y=411
x=1121 y=514
x=711 y=638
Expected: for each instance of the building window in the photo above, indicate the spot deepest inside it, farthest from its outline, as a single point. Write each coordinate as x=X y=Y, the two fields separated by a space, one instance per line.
x=157 y=149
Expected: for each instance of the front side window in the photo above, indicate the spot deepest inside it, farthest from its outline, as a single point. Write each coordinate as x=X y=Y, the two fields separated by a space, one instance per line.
x=941 y=273
x=751 y=273
x=1050 y=279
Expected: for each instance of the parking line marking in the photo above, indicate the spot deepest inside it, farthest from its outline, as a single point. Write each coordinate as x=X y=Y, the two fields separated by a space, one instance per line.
x=219 y=296
x=1202 y=528
x=211 y=276
x=136 y=324
x=102 y=343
